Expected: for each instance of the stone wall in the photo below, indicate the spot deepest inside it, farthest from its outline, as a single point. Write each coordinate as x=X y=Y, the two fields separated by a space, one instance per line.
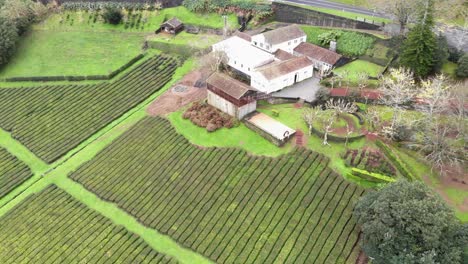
x=294 y=14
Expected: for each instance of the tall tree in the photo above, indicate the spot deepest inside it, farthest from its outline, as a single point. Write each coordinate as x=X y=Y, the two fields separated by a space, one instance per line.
x=419 y=48
x=407 y=223
x=8 y=39
x=401 y=10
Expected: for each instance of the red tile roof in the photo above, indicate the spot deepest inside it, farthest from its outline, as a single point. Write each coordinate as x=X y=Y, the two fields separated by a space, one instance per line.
x=283 y=55
x=318 y=53
x=228 y=85
x=278 y=69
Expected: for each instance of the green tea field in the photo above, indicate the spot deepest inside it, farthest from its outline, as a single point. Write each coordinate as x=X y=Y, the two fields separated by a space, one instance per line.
x=224 y=204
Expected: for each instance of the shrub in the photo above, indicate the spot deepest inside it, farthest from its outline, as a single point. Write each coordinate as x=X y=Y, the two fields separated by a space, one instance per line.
x=372 y=160
x=401 y=166
x=354 y=44
x=462 y=70
x=112 y=15
x=370 y=176
x=9 y=37
x=406 y=222
x=206 y=116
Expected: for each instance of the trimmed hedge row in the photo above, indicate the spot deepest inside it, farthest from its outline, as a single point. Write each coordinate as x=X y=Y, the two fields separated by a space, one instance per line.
x=53 y=227
x=75 y=78
x=370 y=176
x=401 y=166
x=334 y=138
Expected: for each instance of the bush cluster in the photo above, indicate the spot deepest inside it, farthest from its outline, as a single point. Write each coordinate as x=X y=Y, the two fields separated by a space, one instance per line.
x=354 y=44
x=112 y=15
x=372 y=160
x=15 y=18
x=258 y=8
x=98 y=5
x=206 y=116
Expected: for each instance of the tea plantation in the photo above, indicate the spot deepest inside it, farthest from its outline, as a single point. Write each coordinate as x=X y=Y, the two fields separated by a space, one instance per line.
x=12 y=172
x=52 y=120
x=225 y=204
x=53 y=227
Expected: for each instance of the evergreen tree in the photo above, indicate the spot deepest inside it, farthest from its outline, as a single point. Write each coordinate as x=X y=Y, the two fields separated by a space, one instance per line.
x=441 y=53
x=462 y=70
x=420 y=47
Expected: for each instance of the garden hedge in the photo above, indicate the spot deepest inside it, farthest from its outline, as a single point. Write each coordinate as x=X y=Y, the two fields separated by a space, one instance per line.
x=370 y=176
x=401 y=166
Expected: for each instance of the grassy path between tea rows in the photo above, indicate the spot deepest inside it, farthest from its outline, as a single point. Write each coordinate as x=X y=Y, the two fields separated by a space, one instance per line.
x=57 y=173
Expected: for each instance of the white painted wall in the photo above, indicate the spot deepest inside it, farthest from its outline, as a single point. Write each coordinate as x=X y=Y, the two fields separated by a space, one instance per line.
x=288 y=46
x=242 y=56
x=229 y=108
x=259 y=82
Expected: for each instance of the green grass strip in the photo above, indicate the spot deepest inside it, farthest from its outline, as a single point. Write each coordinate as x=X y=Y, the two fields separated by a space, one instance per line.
x=161 y=243
x=22 y=153
x=86 y=151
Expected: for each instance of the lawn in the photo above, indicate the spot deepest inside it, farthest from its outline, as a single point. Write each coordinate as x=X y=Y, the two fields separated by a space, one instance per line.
x=449 y=69
x=149 y=20
x=199 y=41
x=75 y=43
x=240 y=137
x=292 y=117
x=353 y=69
x=56 y=53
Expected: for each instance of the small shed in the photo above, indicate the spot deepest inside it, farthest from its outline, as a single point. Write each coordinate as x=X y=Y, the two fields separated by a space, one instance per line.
x=171 y=26
x=230 y=95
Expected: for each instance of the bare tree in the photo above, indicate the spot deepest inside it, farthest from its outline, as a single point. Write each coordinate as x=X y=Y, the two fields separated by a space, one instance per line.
x=327 y=124
x=340 y=106
x=310 y=116
x=348 y=133
x=443 y=147
x=363 y=77
x=398 y=89
x=212 y=62
x=404 y=11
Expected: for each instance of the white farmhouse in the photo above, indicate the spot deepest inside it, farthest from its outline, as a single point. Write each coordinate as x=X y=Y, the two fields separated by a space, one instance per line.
x=278 y=75
x=242 y=56
x=268 y=59
x=285 y=38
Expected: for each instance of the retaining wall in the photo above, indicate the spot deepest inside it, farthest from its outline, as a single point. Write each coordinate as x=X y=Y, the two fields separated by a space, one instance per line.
x=294 y=14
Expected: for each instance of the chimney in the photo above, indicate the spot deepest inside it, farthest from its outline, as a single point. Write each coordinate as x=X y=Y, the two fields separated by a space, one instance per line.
x=333 y=46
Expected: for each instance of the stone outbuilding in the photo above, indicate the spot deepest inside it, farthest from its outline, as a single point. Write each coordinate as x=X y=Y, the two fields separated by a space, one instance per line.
x=171 y=26
x=230 y=95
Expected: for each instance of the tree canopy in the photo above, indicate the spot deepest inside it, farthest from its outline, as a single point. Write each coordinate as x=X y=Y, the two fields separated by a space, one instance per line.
x=406 y=222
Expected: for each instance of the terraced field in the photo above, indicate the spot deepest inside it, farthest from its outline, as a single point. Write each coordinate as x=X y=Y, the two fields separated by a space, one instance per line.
x=52 y=120
x=227 y=205
x=12 y=172
x=53 y=227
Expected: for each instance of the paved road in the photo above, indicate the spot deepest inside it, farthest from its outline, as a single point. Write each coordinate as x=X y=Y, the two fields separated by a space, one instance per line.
x=337 y=6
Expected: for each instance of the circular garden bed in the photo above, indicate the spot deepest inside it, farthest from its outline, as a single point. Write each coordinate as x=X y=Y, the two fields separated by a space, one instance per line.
x=342 y=124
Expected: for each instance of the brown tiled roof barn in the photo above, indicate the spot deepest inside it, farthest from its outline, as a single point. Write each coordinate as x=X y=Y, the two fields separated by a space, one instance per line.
x=228 y=85
x=318 y=53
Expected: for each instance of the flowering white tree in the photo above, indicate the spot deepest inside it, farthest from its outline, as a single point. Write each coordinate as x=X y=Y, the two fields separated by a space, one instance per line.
x=398 y=90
